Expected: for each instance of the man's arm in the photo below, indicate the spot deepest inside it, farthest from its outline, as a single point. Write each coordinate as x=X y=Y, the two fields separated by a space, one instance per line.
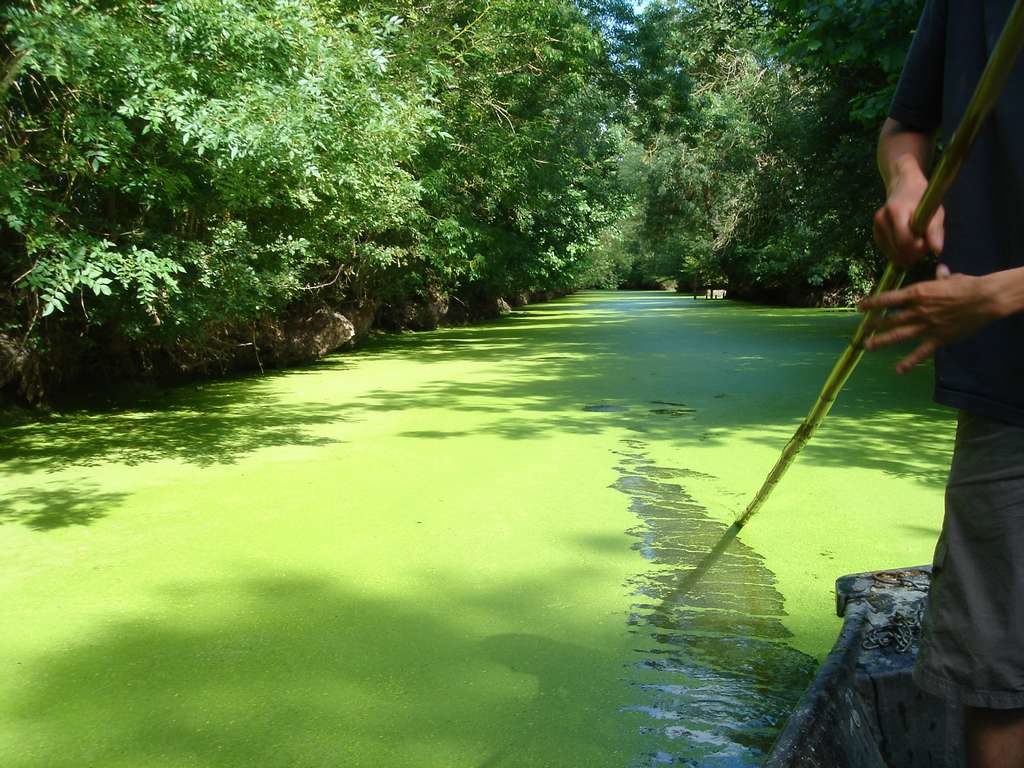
x=903 y=155
x=901 y=150
x=951 y=306
x=1008 y=287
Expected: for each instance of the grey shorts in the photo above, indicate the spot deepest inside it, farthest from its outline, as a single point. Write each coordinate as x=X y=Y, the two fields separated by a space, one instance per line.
x=972 y=644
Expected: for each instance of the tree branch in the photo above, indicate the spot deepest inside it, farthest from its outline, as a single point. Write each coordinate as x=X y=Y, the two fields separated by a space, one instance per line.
x=11 y=68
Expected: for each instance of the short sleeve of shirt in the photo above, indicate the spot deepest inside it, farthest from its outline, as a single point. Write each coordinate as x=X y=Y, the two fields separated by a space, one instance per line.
x=918 y=100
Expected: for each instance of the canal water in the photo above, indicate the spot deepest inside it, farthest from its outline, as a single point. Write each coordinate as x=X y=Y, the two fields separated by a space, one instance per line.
x=459 y=548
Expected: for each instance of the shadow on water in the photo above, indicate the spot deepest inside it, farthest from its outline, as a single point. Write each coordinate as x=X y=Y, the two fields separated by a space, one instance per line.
x=219 y=423
x=213 y=424
x=44 y=509
x=712 y=655
x=715 y=369
x=724 y=368
x=280 y=672
x=299 y=671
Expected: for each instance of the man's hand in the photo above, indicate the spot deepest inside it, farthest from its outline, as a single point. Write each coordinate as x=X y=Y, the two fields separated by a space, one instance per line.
x=893 y=231
x=937 y=312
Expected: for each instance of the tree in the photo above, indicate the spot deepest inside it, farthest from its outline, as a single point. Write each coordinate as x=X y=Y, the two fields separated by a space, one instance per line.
x=180 y=173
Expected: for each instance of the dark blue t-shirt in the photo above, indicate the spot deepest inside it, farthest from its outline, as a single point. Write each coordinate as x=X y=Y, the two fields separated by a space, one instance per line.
x=985 y=208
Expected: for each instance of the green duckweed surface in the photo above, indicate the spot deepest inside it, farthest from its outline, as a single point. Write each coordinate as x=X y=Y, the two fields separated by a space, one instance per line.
x=457 y=548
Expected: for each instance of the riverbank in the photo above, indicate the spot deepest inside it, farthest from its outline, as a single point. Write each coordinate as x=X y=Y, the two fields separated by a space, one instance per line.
x=78 y=362
x=450 y=548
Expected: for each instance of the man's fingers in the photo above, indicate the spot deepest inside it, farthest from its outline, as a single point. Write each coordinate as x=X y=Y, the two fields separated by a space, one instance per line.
x=942 y=272
x=935 y=234
x=887 y=300
x=899 y=225
x=924 y=350
x=883 y=234
x=895 y=336
x=895 y=238
x=900 y=319
x=908 y=247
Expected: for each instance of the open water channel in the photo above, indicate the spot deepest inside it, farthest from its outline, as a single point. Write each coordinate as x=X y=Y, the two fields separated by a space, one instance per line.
x=456 y=549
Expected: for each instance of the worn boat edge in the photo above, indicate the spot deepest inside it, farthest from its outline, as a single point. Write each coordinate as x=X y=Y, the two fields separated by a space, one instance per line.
x=862 y=709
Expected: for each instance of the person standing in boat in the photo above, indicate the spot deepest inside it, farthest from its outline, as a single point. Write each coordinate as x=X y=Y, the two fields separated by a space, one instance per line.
x=969 y=317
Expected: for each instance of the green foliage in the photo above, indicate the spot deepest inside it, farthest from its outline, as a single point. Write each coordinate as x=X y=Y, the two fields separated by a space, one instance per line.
x=179 y=167
x=855 y=46
x=180 y=170
x=758 y=123
x=162 y=148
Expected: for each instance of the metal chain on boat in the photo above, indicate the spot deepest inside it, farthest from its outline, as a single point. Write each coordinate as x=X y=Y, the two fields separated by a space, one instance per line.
x=899 y=634
x=904 y=627
x=916 y=580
